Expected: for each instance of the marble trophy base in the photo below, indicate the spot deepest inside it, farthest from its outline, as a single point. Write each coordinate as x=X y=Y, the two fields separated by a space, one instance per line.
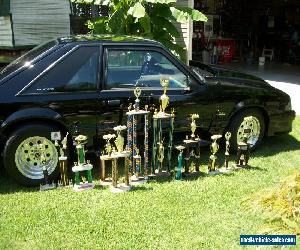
x=120 y=188
x=162 y=173
x=135 y=180
x=83 y=186
x=226 y=170
x=214 y=172
x=106 y=182
x=47 y=187
x=191 y=174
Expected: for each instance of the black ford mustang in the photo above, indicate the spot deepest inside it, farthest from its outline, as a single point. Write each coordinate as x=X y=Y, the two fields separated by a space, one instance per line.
x=85 y=83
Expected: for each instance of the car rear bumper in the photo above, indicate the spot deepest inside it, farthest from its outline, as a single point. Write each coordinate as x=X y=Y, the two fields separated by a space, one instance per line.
x=281 y=123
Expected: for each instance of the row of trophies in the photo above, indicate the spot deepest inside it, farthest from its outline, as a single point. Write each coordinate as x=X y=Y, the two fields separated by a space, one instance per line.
x=134 y=171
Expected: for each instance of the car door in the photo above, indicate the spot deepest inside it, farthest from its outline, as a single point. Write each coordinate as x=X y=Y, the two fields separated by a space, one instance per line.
x=70 y=86
x=128 y=67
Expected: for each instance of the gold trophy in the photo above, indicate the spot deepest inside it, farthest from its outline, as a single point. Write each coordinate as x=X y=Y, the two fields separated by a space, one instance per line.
x=108 y=146
x=161 y=154
x=193 y=124
x=119 y=141
x=137 y=92
x=214 y=147
x=164 y=99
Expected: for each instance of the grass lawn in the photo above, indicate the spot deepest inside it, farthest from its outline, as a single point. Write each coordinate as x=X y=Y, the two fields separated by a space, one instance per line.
x=205 y=213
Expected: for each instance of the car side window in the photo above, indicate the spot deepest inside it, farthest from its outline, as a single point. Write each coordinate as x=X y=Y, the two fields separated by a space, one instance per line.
x=131 y=68
x=77 y=72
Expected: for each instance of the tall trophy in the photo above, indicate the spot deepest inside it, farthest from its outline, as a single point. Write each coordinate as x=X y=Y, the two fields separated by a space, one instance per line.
x=63 y=161
x=178 y=171
x=243 y=150
x=214 y=147
x=82 y=165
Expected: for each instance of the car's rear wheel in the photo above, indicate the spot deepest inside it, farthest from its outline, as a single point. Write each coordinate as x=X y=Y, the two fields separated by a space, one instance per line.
x=27 y=150
x=257 y=126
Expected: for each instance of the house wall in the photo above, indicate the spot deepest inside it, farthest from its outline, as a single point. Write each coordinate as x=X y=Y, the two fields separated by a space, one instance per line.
x=6 y=39
x=36 y=21
x=186 y=30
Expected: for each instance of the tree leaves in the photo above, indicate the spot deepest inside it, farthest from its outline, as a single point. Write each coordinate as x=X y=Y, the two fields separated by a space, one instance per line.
x=137 y=10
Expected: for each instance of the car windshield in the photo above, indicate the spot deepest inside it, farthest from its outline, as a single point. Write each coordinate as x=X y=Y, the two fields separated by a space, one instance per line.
x=27 y=58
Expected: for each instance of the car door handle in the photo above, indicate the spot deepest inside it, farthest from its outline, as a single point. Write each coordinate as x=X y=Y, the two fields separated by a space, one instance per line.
x=113 y=102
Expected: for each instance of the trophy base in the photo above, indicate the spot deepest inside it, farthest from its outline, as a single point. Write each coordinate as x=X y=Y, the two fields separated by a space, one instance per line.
x=238 y=167
x=215 y=172
x=120 y=188
x=83 y=187
x=162 y=174
x=191 y=174
x=226 y=170
x=47 y=187
x=106 y=182
x=59 y=186
x=134 y=180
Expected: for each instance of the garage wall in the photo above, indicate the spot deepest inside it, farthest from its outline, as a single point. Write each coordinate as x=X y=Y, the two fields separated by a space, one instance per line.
x=6 y=38
x=36 y=21
x=186 y=30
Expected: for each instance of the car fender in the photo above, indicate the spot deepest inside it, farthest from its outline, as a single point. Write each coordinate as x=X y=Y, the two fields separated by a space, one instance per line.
x=32 y=113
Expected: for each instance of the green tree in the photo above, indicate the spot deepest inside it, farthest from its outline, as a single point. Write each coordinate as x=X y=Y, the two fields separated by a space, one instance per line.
x=152 y=19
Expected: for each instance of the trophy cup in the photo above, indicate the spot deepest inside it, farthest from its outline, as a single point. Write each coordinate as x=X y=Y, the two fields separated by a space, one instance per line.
x=214 y=147
x=119 y=141
x=137 y=93
x=178 y=175
x=164 y=99
x=193 y=124
x=82 y=166
x=63 y=163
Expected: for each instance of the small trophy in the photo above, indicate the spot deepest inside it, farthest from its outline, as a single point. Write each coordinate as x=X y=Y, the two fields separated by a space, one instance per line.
x=119 y=141
x=227 y=137
x=178 y=175
x=164 y=99
x=243 y=151
x=193 y=124
x=214 y=147
x=137 y=166
x=47 y=185
x=137 y=93
x=82 y=166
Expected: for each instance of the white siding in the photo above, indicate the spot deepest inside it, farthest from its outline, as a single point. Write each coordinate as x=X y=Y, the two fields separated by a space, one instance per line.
x=36 y=21
x=186 y=30
x=5 y=32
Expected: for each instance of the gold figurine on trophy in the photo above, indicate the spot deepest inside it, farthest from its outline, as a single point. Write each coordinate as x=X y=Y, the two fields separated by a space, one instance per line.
x=161 y=153
x=164 y=99
x=119 y=141
x=137 y=93
x=214 y=147
x=108 y=146
x=193 y=124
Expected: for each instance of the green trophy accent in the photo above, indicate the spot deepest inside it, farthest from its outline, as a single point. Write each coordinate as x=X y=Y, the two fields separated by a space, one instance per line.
x=119 y=141
x=178 y=175
x=193 y=124
x=214 y=147
x=164 y=99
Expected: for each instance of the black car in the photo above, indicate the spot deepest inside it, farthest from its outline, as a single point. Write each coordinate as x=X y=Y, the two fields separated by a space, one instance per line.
x=85 y=83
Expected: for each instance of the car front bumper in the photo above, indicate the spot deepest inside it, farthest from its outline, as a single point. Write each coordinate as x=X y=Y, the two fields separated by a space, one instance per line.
x=281 y=122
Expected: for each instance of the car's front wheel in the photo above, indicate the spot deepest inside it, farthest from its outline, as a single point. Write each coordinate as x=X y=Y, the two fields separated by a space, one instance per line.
x=257 y=127
x=27 y=150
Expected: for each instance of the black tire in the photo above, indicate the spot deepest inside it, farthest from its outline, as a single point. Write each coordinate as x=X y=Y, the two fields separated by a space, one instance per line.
x=16 y=138
x=236 y=122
